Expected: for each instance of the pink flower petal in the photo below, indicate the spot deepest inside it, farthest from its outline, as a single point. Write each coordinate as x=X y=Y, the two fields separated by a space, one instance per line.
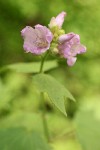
x=71 y=61
x=81 y=49
x=76 y=39
x=58 y=21
x=66 y=37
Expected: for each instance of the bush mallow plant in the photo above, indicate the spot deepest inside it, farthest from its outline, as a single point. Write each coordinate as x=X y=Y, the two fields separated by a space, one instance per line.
x=40 y=39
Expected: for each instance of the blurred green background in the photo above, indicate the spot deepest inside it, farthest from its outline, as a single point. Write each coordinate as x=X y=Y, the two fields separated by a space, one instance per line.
x=18 y=101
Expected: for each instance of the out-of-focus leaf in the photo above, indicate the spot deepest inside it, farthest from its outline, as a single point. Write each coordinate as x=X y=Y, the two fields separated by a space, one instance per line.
x=56 y=91
x=32 y=67
x=21 y=139
x=5 y=96
x=69 y=144
x=88 y=130
x=11 y=89
x=31 y=121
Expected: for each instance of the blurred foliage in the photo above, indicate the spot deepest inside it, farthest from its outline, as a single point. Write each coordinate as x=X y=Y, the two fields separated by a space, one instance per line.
x=88 y=130
x=22 y=141
x=20 y=100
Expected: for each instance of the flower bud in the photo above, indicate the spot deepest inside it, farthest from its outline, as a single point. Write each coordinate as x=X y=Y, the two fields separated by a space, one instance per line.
x=58 y=21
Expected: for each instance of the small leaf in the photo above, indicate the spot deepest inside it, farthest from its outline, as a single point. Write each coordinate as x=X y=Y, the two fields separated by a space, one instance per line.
x=56 y=91
x=88 y=130
x=21 y=139
x=31 y=67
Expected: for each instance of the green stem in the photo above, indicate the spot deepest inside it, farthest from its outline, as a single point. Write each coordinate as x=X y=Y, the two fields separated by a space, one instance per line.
x=42 y=62
x=45 y=126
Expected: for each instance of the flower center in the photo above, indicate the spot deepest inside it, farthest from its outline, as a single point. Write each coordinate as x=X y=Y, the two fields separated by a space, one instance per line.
x=42 y=44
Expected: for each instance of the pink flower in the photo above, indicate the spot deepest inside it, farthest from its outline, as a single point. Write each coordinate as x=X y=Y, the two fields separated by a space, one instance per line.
x=36 y=40
x=58 y=21
x=69 y=46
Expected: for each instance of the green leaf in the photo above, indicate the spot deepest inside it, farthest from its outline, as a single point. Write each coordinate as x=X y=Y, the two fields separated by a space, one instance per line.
x=88 y=130
x=56 y=91
x=21 y=139
x=31 y=67
x=31 y=121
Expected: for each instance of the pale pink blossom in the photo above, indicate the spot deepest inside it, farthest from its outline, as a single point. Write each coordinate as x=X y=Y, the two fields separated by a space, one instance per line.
x=57 y=21
x=69 y=46
x=36 y=40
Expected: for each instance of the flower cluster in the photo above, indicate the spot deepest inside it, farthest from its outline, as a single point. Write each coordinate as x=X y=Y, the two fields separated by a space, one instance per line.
x=39 y=39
